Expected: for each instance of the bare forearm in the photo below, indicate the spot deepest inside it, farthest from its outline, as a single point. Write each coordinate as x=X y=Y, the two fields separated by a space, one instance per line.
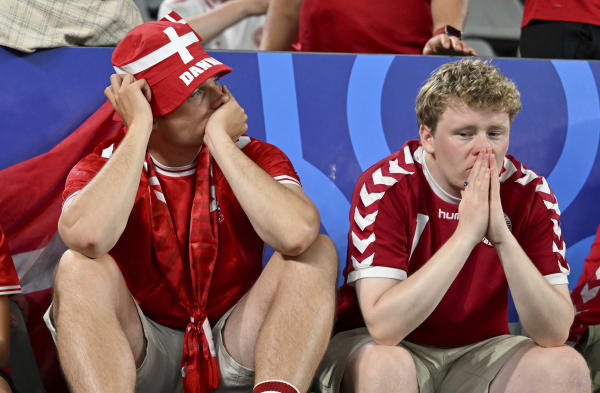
x=282 y=218
x=93 y=222
x=545 y=310
x=398 y=312
x=448 y=12
x=212 y=23
x=281 y=26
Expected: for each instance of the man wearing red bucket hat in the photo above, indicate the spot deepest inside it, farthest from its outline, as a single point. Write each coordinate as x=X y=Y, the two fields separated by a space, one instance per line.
x=156 y=260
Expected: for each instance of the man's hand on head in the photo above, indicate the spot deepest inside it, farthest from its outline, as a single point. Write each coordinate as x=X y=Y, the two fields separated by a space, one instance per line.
x=442 y=44
x=229 y=118
x=474 y=206
x=130 y=98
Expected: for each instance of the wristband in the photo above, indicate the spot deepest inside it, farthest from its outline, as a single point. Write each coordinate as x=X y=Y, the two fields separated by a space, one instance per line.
x=449 y=31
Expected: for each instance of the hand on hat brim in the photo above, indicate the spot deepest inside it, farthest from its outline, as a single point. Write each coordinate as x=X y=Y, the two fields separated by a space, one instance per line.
x=130 y=98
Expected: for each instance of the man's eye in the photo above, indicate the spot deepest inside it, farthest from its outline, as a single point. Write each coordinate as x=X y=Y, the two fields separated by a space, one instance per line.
x=197 y=93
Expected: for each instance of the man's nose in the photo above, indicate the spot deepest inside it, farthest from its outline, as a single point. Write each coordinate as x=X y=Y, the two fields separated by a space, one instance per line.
x=217 y=96
x=481 y=142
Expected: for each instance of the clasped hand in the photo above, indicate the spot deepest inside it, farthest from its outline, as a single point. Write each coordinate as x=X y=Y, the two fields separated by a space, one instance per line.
x=480 y=210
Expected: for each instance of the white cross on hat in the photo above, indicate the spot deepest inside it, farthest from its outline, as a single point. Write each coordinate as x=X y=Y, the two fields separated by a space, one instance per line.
x=178 y=44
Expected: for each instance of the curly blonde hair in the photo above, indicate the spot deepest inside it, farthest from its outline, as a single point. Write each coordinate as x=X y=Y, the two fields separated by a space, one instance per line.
x=474 y=82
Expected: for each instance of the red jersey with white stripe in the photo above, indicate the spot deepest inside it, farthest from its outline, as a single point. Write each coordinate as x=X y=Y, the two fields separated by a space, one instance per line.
x=239 y=258
x=398 y=221
x=9 y=281
x=585 y=295
x=578 y=11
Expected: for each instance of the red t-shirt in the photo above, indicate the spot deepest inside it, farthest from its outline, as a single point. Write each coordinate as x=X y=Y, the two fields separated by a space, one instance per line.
x=579 y=11
x=9 y=280
x=398 y=221
x=585 y=294
x=239 y=258
x=364 y=26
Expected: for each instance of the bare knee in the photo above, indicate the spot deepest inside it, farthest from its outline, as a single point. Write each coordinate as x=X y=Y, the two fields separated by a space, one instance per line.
x=382 y=369
x=560 y=367
x=80 y=277
x=322 y=254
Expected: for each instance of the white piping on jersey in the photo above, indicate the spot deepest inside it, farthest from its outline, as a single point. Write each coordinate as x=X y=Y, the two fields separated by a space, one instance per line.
x=544 y=187
x=362 y=244
x=378 y=272
x=70 y=199
x=160 y=196
x=528 y=176
x=107 y=153
x=422 y=220
x=588 y=294
x=367 y=262
x=243 y=141
x=369 y=197
x=552 y=206
x=365 y=221
x=378 y=177
x=174 y=171
x=408 y=156
x=439 y=191
x=556 y=228
x=509 y=169
x=285 y=179
x=154 y=180
x=7 y=287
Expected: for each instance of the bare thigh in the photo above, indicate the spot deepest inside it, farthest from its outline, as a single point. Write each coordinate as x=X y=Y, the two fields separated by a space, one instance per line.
x=380 y=369
x=85 y=286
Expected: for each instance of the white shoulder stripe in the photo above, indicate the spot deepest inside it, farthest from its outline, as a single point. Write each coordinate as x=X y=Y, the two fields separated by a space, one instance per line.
x=153 y=180
x=368 y=198
x=107 y=153
x=422 y=220
x=395 y=168
x=556 y=228
x=378 y=178
x=509 y=169
x=528 y=176
x=561 y=250
x=243 y=141
x=365 y=221
x=362 y=244
x=544 y=187
x=552 y=206
x=367 y=262
x=160 y=196
x=407 y=155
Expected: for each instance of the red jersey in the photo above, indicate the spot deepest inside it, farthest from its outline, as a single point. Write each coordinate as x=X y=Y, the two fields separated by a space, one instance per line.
x=364 y=26
x=239 y=254
x=579 y=11
x=9 y=280
x=585 y=295
x=398 y=221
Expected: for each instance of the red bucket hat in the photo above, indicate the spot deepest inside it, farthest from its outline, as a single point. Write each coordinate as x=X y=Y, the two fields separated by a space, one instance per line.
x=167 y=53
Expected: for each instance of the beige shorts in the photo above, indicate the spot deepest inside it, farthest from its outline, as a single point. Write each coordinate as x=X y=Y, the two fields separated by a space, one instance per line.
x=467 y=369
x=160 y=370
x=589 y=348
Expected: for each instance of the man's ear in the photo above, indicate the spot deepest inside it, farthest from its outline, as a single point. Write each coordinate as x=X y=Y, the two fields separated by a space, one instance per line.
x=426 y=137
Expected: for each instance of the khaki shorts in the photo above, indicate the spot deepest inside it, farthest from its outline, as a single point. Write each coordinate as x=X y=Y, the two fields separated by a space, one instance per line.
x=467 y=369
x=589 y=348
x=160 y=370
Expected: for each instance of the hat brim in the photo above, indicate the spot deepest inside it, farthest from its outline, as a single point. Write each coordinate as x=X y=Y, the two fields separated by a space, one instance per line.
x=165 y=98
